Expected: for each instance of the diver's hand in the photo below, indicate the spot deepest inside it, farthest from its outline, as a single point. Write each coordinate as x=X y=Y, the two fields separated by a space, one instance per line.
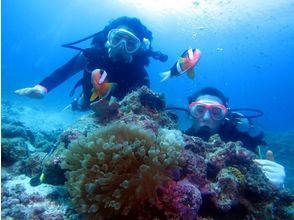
x=273 y=171
x=243 y=125
x=36 y=92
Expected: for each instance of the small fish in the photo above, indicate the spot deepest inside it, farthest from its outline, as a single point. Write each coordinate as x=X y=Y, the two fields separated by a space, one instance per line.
x=101 y=87
x=37 y=180
x=185 y=64
x=42 y=177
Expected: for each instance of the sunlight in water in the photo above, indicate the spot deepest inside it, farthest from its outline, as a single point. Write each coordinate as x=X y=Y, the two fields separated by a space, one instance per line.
x=163 y=7
x=192 y=13
x=159 y=5
x=211 y=9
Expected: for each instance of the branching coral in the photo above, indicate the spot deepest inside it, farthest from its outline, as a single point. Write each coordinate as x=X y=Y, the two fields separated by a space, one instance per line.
x=116 y=170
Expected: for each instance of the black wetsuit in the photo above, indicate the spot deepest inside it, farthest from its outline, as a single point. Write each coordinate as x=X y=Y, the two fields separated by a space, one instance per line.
x=128 y=76
x=229 y=132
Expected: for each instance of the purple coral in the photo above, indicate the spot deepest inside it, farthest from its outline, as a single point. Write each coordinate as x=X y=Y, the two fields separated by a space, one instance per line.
x=179 y=200
x=69 y=135
x=193 y=168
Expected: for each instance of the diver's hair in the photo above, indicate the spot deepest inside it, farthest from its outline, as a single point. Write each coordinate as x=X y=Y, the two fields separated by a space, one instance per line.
x=209 y=91
x=139 y=30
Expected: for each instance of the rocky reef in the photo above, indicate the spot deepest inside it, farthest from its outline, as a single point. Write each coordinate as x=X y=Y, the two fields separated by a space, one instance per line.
x=136 y=164
x=24 y=146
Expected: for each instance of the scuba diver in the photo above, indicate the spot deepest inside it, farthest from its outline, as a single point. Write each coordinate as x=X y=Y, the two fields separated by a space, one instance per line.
x=113 y=66
x=211 y=115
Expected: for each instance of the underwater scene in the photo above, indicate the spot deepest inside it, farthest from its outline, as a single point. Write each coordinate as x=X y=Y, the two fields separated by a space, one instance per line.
x=132 y=109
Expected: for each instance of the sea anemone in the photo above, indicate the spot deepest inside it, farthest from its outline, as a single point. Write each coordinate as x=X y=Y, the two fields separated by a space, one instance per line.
x=116 y=170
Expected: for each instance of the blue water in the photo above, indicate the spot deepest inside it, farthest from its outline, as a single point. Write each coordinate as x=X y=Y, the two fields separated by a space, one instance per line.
x=247 y=48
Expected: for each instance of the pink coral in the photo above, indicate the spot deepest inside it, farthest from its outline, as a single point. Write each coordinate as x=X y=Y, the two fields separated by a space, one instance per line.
x=179 y=200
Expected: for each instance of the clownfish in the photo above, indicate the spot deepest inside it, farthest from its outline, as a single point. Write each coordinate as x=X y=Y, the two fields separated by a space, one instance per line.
x=101 y=87
x=185 y=64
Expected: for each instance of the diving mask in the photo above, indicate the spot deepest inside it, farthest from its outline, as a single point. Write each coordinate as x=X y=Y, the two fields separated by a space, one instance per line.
x=118 y=37
x=216 y=111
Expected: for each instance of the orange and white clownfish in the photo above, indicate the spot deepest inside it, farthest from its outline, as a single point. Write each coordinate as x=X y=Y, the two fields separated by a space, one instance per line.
x=185 y=64
x=101 y=87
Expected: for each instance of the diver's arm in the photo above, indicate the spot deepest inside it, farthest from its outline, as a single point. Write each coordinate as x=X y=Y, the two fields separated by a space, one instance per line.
x=73 y=66
x=245 y=130
x=36 y=92
x=231 y=131
x=64 y=72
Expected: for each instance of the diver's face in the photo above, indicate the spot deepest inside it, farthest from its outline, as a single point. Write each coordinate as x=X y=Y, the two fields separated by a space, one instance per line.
x=122 y=44
x=207 y=117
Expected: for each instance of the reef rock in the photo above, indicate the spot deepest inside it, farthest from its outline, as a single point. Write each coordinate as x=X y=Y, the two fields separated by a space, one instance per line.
x=20 y=140
x=119 y=170
x=135 y=164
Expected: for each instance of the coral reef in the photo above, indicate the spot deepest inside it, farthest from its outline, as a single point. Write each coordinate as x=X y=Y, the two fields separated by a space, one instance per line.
x=234 y=187
x=212 y=180
x=135 y=164
x=12 y=150
x=24 y=145
x=21 y=201
x=179 y=199
x=134 y=110
x=20 y=139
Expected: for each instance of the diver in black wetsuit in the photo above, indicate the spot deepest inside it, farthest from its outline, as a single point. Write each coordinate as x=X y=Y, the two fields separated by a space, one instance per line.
x=122 y=49
x=211 y=115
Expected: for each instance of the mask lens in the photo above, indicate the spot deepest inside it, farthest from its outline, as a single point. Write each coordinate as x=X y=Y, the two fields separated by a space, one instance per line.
x=121 y=36
x=132 y=44
x=199 y=110
x=217 y=113
x=115 y=40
